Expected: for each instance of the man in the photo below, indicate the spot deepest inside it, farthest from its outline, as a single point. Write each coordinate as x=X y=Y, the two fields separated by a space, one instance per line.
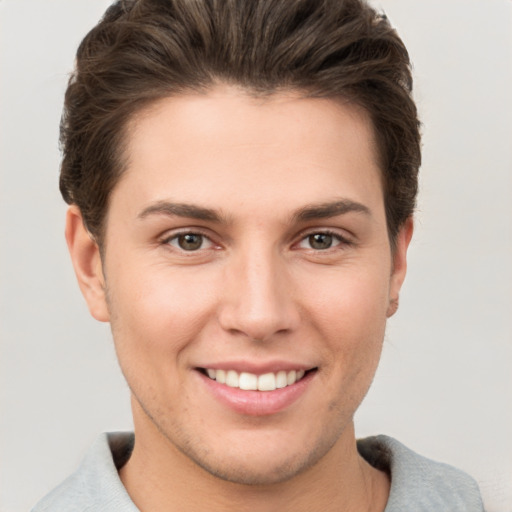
x=242 y=178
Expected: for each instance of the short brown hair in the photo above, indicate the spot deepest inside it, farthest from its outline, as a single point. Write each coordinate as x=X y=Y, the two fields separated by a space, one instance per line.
x=145 y=50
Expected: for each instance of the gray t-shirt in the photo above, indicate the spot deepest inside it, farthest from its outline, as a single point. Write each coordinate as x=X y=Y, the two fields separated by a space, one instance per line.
x=417 y=484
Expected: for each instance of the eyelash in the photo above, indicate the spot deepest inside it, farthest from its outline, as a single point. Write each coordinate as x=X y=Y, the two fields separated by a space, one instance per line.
x=341 y=240
x=175 y=236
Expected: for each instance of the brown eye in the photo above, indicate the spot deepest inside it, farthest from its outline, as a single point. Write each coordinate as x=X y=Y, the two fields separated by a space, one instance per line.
x=320 y=241
x=189 y=242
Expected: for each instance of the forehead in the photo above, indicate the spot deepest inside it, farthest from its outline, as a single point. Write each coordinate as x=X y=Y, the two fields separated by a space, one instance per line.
x=279 y=118
x=226 y=144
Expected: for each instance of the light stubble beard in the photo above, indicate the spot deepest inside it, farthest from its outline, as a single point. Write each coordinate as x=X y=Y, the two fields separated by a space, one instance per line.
x=239 y=471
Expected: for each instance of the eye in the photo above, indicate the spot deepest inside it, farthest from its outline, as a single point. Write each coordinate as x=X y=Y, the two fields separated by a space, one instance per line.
x=321 y=241
x=189 y=241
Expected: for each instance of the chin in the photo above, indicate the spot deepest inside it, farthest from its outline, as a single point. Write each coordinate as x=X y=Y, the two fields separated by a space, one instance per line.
x=260 y=461
x=257 y=473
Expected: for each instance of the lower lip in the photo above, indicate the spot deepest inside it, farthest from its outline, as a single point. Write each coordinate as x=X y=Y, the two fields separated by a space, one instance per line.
x=257 y=403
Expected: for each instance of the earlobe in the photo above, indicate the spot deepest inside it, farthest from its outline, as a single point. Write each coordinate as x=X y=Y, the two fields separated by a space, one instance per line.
x=399 y=269
x=86 y=258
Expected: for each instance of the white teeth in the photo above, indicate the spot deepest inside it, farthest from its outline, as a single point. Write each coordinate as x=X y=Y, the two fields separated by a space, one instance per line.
x=252 y=382
x=220 y=376
x=291 y=378
x=232 y=379
x=248 y=381
x=281 y=379
x=267 y=382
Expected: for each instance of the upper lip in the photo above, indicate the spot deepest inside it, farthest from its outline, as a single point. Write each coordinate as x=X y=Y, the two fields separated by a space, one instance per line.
x=257 y=367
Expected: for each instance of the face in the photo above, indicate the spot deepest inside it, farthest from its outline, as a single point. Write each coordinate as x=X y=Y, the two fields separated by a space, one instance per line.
x=248 y=277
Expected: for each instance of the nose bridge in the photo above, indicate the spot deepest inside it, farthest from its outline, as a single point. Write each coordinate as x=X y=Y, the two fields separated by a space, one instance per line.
x=258 y=298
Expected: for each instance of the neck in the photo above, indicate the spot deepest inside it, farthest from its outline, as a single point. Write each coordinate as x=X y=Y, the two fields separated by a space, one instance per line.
x=160 y=478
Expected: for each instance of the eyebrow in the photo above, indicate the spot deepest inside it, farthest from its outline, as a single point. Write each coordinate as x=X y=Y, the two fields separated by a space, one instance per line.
x=180 y=210
x=331 y=209
x=307 y=213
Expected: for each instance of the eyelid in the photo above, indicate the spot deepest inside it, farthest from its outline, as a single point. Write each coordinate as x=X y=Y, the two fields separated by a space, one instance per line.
x=170 y=235
x=342 y=239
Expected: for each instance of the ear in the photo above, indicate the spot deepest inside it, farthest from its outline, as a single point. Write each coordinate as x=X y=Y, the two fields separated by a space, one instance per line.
x=85 y=255
x=399 y=264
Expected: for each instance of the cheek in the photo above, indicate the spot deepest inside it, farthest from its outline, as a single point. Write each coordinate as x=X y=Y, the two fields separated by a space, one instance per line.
x=154 y=317
x=351 y=301
x=350 y=315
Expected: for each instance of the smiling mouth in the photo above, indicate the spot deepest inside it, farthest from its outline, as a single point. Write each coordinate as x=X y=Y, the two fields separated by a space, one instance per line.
x=251 y=382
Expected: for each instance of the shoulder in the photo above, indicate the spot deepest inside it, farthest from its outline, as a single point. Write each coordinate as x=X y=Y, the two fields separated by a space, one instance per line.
x=418 y=483
x=95 y=486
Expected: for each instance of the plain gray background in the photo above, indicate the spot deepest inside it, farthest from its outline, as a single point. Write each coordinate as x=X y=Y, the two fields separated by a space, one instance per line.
x=445 y=382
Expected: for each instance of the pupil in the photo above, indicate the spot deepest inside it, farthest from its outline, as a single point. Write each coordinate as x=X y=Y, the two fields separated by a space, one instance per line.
x=320 y=241
x=190 y=241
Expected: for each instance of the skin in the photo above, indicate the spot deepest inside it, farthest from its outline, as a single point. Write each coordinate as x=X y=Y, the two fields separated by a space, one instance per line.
x=257 y=290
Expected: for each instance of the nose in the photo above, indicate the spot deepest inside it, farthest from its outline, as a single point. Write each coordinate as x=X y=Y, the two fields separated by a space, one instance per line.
x=258 y=299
